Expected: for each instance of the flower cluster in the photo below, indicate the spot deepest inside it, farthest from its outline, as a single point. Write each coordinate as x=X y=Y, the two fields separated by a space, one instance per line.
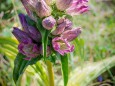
x=29 y=39
x=60 y=26
x=64 y=33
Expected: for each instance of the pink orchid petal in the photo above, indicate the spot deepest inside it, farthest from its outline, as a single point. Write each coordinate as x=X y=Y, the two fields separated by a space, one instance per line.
x=57 y=41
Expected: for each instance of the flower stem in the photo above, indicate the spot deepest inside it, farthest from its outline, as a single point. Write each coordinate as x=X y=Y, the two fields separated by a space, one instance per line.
x=48 y=63
x=50 y=73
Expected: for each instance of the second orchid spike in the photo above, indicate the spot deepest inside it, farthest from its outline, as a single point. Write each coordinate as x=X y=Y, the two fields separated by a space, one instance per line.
x=42 y=9
x=48 y=23
x=63 y=4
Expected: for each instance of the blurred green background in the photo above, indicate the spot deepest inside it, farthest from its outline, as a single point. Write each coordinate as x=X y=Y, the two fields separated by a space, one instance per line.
x=95 y=48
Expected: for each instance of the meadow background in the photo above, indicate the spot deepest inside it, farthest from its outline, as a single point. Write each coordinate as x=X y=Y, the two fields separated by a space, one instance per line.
x=91 y=64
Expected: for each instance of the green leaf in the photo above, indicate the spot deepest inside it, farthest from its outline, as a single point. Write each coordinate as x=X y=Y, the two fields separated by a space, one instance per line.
x=20 y=65
x=10 y=41
x=64 y=62
x=44 y=43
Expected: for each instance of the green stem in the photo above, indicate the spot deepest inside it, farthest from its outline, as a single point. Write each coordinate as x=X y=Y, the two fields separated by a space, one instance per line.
x=50 y=73
x=45 y=34
x=44 y=44
x=48 y=63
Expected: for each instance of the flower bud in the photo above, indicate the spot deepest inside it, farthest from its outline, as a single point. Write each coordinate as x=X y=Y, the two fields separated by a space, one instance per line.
x=67 y=21
x=70 y=35
x=28 y=49
x=63 y=25
x=61 y=20
x=69 y=25
x=62 y=46
x=42 y=9
x=30 y=4
x=60 y=27
x=48 y=23
x=20 y=35
x=63 y=4
x=30 y=7
x=78 y=7
x=33 y=33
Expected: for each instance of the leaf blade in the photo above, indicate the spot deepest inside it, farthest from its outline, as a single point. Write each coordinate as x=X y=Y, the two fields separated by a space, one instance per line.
x=64 y=62
x=20 y=65
x=17 y=66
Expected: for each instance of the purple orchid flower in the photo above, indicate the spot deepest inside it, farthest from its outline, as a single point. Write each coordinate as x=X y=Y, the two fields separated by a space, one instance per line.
x=30 y=4
x=63 y=4
x=63 y=25
x=42 y=9
x=29 y=49
x=62 y=46
x=60 y=27
x=27 y=6
x=69 y=25
x=70 y=35
x=78 y=7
